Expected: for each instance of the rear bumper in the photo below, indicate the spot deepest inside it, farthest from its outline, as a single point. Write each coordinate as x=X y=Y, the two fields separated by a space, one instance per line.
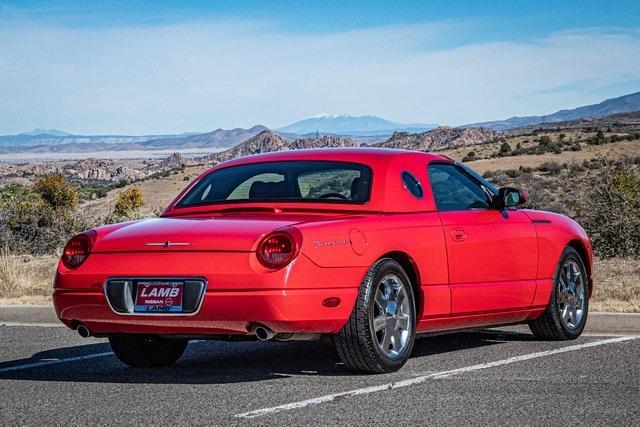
x=221 y=312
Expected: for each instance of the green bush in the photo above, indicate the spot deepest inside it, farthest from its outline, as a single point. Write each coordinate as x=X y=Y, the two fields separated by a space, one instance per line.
x=32 y=224
x=56 y=192
x=128 y=203
x=505 y=149
x=552 y=167
x=609 y=209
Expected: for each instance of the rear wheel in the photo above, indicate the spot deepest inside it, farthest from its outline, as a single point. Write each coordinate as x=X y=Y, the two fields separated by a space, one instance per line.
x=566 y=314
x=379 y=335
x=147 y=350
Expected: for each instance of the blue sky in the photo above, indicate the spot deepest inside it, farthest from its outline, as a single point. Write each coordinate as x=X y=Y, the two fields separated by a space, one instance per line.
x=164 y=67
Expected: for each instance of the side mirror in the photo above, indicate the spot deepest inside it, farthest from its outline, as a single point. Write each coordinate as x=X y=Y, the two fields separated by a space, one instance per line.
x=511 y=197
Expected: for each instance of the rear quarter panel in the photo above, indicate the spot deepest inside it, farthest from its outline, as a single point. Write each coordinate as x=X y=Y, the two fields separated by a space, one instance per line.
x=361 y=241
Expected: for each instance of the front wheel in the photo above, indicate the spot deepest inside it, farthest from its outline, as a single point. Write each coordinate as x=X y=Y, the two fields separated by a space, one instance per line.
x=566 y=314
x=379 y=335
x=147 y=350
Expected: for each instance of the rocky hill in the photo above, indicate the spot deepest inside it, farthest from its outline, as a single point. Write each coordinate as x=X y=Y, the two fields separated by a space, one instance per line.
x=439 y=138
x=267 y=141
x=325 y=141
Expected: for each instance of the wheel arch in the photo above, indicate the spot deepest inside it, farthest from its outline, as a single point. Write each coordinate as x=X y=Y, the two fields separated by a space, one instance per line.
x=411 y=268
x=582 y=250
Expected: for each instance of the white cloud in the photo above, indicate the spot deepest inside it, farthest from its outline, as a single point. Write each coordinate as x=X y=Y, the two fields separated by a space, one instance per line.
x=207 y=75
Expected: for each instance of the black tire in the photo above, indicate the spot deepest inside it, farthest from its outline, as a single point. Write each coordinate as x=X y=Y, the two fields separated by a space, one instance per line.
x=357 y=344
x=147 y=350
x=550 y=325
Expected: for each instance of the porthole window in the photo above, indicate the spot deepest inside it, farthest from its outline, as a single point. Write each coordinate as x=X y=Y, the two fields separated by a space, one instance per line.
x=412 y=184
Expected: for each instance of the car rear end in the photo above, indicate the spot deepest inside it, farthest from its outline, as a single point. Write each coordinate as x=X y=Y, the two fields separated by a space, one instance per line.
x=110 y=282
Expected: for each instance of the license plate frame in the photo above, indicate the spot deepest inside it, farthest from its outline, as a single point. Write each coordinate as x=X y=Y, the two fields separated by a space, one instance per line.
x=158 y=296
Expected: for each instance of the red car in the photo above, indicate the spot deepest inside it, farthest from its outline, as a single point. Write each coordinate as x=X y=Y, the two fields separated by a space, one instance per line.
x=368 y=246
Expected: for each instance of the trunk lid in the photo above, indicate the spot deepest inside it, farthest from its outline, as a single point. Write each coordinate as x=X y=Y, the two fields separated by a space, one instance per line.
x=225 y=232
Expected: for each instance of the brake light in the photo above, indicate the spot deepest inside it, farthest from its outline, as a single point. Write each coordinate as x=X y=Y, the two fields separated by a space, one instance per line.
x=77 y=250
x=277 y=250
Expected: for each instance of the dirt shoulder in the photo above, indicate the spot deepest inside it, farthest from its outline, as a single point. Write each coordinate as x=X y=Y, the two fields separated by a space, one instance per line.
x=25 y=279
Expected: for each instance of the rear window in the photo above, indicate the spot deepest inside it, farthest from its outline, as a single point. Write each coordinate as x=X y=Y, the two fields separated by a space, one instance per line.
x=300 y=181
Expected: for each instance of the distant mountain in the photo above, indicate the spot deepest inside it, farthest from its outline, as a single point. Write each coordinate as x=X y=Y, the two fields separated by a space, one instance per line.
x=51 y=132
x=46 y=142
x=346 y=124
x=268 y=141
x=622 y=104
x=219 y=138
x=439 y=138
x=619 y=123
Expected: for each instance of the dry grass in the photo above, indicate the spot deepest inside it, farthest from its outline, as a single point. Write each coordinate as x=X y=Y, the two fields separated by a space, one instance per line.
x=617 y=285
x=611 y=151
x=26 y=279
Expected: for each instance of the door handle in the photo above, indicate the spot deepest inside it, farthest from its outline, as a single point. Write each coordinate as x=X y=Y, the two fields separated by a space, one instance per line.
x=458 y=235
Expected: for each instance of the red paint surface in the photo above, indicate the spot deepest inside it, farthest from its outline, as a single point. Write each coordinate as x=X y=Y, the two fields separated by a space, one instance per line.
x=472 y=268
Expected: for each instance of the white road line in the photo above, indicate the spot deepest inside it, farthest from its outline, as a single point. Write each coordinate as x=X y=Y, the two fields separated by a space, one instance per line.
x=55 y=362
x=70 y=359
x=39 y=325
x=423 y=378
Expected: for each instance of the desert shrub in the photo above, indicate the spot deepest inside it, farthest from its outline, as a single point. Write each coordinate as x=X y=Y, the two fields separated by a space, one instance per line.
x=128 y=203
x=597 y=139
x=525 y=169
x=513 y=173
x=471 y=156
x=56 y=192
x=505 y=149
x=551 y=167
x=609 y=209
x=29 y=224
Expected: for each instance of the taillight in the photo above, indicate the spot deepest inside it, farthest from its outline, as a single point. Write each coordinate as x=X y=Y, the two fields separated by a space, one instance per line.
x=77 y=250
x=277 y=250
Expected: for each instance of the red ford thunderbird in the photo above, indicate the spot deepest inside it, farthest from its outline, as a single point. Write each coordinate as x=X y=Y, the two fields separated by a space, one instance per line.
x=370 y=247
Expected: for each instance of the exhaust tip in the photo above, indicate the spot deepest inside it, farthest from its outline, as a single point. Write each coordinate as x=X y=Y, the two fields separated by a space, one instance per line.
x=263 y=333
x=83 y=331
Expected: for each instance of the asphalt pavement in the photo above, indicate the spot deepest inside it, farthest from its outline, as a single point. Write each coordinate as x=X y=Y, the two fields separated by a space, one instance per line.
x=49 y=375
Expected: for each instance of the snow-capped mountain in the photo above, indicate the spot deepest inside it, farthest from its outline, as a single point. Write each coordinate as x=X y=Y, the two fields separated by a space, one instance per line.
x=347 y=124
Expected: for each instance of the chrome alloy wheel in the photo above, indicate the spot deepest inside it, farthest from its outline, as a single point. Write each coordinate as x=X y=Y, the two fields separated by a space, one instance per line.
x=391 y=317
x=571 y=296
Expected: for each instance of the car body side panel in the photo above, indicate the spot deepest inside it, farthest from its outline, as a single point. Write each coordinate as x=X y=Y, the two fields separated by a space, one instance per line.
x=417 y=235
x=493 y=259
x=555 y=232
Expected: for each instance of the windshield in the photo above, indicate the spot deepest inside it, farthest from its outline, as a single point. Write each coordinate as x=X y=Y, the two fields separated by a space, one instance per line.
x=299 y=181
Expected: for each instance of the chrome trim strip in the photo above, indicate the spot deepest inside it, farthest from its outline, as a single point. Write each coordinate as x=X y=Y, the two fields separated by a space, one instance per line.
x=168 y=244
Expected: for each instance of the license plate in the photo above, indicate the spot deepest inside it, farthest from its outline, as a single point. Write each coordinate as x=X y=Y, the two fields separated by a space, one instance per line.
x=159 y=296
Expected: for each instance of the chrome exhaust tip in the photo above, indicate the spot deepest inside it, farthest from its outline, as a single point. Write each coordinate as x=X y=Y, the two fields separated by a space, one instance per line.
x=83 y=331
x=263 y=333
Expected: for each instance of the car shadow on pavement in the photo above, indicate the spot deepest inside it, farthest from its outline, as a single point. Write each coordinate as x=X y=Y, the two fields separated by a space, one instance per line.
x=218 y=362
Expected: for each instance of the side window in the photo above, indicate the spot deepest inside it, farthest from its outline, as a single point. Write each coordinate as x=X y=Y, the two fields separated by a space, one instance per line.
x=412 y=184
x=454 y=190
